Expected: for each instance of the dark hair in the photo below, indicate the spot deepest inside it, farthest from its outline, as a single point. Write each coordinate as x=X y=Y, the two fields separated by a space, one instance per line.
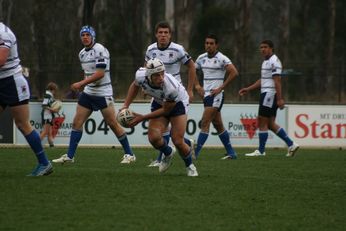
x=52 y=86
x=268 y=42
x=163 y=24
x=213 y=36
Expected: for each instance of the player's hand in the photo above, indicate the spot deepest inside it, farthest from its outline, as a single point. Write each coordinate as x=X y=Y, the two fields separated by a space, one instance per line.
x=136 y=120
x=243 y=91
x=281 y=104
x=78 y=86
x=123 y=107
x=215 y=91
x=190 y=93
x=200 y=91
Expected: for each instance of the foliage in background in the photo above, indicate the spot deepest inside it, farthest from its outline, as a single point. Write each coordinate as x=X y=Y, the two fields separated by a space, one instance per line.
x=308 y=36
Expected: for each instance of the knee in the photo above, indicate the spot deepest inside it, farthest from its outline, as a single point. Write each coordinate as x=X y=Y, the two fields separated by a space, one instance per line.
x=179 y=143
x=155 y=138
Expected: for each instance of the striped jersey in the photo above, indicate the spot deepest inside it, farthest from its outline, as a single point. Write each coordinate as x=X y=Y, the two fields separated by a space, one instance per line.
x=48 y=100
x=270 y=67
x=8 y=40
x=213 y=68
x=172 y=56
x=171 y=90
x=96 y=57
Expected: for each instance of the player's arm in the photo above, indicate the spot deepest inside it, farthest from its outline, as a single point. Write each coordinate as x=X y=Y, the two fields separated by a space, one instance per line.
x=191 y=78
x=131 y=95
x=167 y=107
x=279 y=100
x=231 y=73
x=255 y=85
x=99 y=73
x=4 y=52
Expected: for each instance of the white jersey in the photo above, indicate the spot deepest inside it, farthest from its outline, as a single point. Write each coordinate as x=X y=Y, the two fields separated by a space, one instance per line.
x=172 y=56
x=270 y=67
x=8 y=40
x=214 y=69
x=96 y=57
x=171 y=90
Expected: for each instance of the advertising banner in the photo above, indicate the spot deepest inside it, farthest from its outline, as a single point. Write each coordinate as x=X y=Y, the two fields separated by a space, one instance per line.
x=318 y=126
x=239 y=120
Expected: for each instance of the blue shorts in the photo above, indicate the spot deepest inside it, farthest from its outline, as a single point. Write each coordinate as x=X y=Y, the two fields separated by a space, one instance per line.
x=94 y=103
x=14 y=91
x=214 y=101
x=267 y=105
x=179 y=109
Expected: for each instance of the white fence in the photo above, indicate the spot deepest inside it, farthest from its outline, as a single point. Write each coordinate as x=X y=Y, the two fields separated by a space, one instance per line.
x=312 y=126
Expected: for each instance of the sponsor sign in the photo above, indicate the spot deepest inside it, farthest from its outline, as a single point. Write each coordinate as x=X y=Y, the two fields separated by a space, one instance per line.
x=318 y=126
x=239 y=120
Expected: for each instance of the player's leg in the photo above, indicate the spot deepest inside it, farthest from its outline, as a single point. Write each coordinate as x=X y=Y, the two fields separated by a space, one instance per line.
x=280 y=132
x=82 y=114
x=18 y=100
x=50 y=134
x=44 y=131
x=20 y=114
x=224 y=136
x=110 y=117
x=177 y=133
x=208 y=115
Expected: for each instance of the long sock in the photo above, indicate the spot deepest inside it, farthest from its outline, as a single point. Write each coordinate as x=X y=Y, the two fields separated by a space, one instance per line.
x=263 y=136
x=187 y=141
x=202 y=137
x=187 y=159
x=225 y=139
x=283 y=135
x=166 y=136
x=125 y=143
x=75 y=137
x=35 y=143
x=166 y=149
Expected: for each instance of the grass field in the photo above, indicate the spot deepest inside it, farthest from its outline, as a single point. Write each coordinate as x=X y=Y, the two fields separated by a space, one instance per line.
x=307 y=192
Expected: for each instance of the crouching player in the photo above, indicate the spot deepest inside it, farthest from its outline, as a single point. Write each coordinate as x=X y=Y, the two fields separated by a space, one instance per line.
x=169 y=106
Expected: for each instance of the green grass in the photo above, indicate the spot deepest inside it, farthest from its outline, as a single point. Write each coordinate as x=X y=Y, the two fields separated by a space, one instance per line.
x=307 y=192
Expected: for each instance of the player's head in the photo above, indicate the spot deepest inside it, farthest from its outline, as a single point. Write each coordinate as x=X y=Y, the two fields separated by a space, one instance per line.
x=163 y=34
x=214 y=37
x=51 y=86
x=268 y=42
x=266 y=48
x=154 y=66
x=88 y=30
x=211 y=44
x=163 y=24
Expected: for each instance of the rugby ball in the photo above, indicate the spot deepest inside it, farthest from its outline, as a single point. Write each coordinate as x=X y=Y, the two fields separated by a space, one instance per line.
x=124 y=117
x=56 y=105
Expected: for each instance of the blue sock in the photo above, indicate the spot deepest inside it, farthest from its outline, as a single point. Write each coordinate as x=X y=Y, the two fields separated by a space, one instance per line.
x=225 y=139
x=202 y=137
x=75 y=137
x=125 y=143
x=187 y=159
x=35 y=143
x=166 y=149
x=166 y=136
x=263 y=136
x=187 y=141
x=283 y=135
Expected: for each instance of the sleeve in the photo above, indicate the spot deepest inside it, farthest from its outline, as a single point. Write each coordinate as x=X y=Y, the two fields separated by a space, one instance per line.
x=198 y=63
x=101 y=58
x=185 y=57
x=6 y=40
x=276 y=66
